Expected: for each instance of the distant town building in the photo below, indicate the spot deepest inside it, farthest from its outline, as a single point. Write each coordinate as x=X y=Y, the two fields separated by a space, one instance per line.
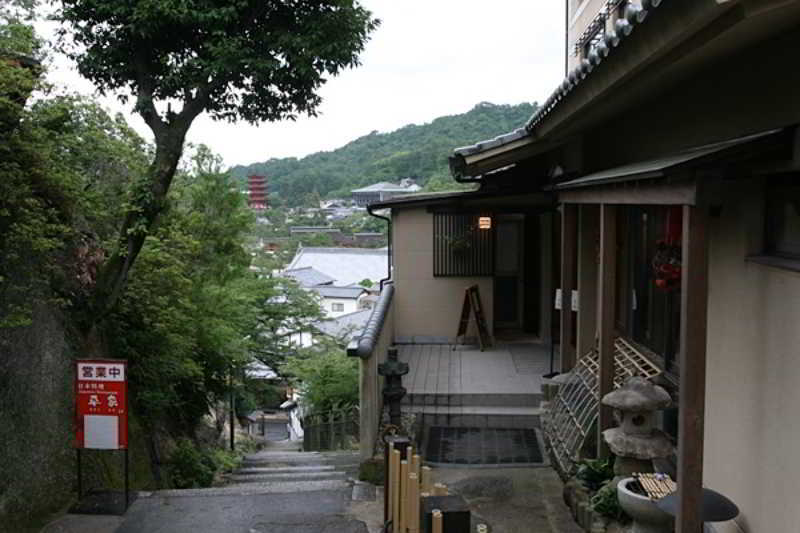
x=384 y=190
x=296 y=230
x=257 y=189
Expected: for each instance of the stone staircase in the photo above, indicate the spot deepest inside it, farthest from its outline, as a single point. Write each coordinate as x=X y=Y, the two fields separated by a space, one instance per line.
x=520 y=410
x=283 y=468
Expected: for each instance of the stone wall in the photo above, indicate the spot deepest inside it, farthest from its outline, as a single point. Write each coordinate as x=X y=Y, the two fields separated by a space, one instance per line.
x=36 y=395
x=37 y=454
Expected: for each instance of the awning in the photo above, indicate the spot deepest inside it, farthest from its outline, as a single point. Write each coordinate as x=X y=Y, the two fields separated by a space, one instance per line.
x=662 y=166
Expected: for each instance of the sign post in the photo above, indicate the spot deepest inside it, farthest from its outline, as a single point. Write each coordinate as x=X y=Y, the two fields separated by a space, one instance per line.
x=101 y=409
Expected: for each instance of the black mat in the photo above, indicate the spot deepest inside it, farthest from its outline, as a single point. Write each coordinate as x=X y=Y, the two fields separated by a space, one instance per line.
x=482 y=446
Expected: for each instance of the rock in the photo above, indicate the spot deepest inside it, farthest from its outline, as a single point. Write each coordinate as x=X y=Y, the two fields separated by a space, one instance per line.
x=491 y=487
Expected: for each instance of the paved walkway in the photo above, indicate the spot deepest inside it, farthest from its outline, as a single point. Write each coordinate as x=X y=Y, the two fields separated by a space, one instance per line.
x=279 y=490
x=512 y=500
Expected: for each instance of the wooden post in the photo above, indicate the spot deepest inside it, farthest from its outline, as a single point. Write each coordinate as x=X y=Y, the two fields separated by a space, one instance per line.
x=691 y=413
x=426 y=479
x=437 y=521
x=412 y=521
x=416 y=465
x=569 y=217
x=606 y=307
x=403 y=488
x=588 y=236
x=396 y=490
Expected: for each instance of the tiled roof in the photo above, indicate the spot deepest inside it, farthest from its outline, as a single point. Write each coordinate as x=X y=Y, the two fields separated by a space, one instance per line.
x=350 y=324
x=308 y=276
x=385 y=186
x=346 y=266
x=339 y=292
x=611 y=39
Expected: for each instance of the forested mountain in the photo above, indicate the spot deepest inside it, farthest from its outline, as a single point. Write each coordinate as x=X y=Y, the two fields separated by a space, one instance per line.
x=419 y=151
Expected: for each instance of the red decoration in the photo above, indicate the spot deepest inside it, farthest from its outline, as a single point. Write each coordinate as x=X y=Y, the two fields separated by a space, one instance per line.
x=667 y=259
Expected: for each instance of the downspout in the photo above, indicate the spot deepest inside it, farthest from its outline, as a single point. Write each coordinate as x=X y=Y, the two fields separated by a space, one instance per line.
x=389 y=254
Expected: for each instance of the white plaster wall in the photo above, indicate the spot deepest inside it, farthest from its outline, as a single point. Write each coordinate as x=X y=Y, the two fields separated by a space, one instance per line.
x=752 y=431
x=425 y=305
x=350 y=306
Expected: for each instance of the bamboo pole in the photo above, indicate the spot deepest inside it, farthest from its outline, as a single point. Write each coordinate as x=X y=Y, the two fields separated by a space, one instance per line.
x=396 y=490
x=412 y=518
x=437 y=521
x=426 y=479
x=394 y=472
x=416 y=462
x=403 y=488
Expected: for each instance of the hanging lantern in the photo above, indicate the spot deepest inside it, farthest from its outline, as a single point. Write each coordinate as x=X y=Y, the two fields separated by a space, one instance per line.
x=485 y=222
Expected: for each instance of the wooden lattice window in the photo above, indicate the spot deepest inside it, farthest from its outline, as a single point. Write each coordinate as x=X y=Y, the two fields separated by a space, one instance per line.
x=460 y=247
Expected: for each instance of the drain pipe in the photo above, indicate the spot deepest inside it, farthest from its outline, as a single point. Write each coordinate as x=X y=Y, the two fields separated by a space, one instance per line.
x=389 y=250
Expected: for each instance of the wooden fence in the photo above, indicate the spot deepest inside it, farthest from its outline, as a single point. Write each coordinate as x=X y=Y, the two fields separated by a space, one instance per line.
x=333 y=430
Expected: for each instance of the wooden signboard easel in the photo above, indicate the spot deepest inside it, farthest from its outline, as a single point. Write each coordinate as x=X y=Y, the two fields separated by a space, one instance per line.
x=472 y=302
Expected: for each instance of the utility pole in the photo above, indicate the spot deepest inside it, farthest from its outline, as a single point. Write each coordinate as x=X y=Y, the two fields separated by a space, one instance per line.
x=232 y=406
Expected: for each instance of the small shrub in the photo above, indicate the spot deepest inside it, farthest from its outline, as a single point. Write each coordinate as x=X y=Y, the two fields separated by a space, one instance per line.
x=371 y=471
x=191 y=467
x=594 y=473
x=225 y=460
x=606 y=503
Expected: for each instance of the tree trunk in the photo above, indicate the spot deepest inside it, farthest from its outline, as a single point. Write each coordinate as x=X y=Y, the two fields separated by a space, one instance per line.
x=147 y=202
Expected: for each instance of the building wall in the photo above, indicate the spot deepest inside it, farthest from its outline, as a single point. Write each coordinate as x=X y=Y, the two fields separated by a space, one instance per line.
x=425 y=305
x=752 y=428
x=350 y=305
x=581 y=14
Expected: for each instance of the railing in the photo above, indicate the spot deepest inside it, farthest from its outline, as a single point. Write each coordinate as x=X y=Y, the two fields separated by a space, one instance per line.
x=371 y=349
x=334 y=430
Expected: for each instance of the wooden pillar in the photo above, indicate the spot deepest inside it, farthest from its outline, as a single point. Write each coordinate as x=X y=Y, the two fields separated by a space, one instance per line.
x=691 y=414
x=548 y=248
x=606 y=306
x=588 y=237
x=569 y=220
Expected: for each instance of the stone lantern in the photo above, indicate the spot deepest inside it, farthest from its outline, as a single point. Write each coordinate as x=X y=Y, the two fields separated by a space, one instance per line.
x=636 y=442
x=393 y=391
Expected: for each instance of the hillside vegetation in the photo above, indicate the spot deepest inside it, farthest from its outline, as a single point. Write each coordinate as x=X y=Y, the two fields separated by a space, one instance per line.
x=419 y=151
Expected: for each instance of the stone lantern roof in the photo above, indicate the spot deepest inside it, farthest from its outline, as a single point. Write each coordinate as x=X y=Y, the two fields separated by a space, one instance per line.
x=638 y=395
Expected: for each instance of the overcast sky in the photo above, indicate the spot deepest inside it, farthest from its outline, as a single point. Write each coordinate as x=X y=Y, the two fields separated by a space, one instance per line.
x=427 y=59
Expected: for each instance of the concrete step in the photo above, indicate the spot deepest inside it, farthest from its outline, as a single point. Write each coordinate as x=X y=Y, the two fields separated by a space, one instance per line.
x=285 y=469
x=478 y=416
x=239 y=477
x=300 y=458
x=268 y=487
x=485 y=400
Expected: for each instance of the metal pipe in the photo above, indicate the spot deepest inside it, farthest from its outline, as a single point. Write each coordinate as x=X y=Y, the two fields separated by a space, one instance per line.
x=389 y=247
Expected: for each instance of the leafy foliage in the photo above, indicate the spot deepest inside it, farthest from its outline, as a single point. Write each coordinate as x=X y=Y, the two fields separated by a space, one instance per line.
x=247 y=59
x=594 y=473
x=326 y=376
x=606 y=503
x=419 y=151
x=191 y=467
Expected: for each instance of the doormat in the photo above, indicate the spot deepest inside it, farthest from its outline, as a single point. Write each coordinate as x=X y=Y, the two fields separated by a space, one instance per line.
x=482 y=446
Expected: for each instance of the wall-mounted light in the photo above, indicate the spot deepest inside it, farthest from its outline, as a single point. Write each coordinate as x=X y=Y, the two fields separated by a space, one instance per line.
x=485 y=222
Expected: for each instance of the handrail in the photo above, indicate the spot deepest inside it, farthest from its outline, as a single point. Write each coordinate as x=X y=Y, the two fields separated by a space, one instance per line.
x=366 y=343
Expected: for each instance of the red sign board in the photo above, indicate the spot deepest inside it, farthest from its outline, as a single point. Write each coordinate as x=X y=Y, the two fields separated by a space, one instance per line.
x=101 y=404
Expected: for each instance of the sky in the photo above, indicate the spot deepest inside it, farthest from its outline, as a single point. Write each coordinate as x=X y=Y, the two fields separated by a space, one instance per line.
x=427 y=59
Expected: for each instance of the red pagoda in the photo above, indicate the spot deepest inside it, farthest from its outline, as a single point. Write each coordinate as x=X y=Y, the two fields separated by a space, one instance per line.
x=257 y=186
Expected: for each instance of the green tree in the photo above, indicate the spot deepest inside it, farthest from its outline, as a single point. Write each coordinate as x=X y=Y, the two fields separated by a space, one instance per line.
x=327 y=377
x=248 y=59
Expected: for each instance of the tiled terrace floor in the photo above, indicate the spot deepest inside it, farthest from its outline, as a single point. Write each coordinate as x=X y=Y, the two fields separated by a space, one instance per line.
x=513 y=368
